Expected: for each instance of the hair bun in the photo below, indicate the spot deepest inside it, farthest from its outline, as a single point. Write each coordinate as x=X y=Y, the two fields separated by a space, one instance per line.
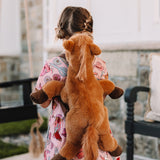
x=60 y=33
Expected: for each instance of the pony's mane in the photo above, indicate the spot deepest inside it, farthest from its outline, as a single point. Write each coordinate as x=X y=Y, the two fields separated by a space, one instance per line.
x=83 y=41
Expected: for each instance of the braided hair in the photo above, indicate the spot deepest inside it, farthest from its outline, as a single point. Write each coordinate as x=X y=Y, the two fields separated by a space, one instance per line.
x=72 y=20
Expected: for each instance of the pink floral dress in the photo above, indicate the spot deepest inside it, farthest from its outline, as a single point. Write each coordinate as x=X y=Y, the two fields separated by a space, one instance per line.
x=56 y=69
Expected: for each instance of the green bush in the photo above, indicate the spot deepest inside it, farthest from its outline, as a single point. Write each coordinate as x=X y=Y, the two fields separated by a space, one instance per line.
x=20 y=127
x=16 y=128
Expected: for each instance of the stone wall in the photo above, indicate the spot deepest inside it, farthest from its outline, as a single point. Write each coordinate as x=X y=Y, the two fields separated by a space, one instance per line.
x=126 y=69
x=9 y=68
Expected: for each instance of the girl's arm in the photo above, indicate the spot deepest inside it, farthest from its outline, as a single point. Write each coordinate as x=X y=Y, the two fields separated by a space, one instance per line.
x=100 y=72
x=100 y=69
x=54 y=69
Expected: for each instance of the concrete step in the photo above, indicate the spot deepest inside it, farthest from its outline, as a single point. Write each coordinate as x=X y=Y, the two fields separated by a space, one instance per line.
x=28 y=156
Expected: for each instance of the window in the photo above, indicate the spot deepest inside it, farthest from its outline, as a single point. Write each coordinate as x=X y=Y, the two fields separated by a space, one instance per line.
x=150 y=20
x=10 y=27
x=157 y=11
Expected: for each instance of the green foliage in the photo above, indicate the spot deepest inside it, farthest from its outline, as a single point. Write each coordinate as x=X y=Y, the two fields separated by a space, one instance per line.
x=20 y=127
x=7 y=149
x=16 y=128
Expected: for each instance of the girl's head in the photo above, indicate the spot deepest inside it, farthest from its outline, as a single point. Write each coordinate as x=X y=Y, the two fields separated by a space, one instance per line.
x=72 y=20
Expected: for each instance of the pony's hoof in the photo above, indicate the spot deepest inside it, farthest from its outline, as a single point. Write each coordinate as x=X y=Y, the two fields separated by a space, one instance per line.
x=116 y=93
x=39 y=96
x=117 y=152
x=58 y=157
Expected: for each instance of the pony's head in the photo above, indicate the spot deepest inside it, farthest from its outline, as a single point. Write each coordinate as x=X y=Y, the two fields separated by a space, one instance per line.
x=80 y=51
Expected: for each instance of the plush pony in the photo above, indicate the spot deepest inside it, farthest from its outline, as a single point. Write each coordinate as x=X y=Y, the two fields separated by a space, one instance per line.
x=87 y=122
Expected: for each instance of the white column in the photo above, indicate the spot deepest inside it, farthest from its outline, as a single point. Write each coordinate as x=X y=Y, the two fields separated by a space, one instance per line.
x=10 y=27
x=157 y=11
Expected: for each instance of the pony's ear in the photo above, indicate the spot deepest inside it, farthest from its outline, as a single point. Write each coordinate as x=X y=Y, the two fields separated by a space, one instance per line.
x=95 y=50
x=68 y=45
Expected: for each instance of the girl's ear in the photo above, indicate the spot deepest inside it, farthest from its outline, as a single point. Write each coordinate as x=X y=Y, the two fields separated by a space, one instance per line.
x=95 y=50
x=68 y=45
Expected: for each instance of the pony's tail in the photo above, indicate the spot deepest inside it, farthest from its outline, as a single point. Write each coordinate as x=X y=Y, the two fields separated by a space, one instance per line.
x=90 y=144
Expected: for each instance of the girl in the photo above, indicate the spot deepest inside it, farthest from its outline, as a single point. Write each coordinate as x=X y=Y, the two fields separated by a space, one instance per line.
x=72 y=20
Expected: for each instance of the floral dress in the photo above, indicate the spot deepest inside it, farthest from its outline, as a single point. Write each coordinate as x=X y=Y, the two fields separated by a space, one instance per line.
x=56 y=69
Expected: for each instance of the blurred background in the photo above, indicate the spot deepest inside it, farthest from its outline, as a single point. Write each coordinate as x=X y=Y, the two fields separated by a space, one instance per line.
x=127 y=31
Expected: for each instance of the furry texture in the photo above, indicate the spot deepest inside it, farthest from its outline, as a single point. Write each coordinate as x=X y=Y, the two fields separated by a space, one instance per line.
x=84 y=95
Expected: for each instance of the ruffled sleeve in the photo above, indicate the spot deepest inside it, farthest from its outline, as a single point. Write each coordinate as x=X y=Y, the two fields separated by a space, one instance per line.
x=100 y=69
x=54 y=69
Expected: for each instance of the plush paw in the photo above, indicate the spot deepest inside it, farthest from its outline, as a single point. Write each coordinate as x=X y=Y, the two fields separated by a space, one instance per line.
x=58 y=157
x=116 y=93
x=117 y=152
x=39 y=96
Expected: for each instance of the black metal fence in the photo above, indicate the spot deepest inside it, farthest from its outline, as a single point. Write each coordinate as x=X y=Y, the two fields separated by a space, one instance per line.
x=25 y=109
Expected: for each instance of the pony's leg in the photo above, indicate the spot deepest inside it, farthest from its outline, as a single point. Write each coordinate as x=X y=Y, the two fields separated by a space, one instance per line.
x=110 y=89
x=71 y=146
x=49 y=90
x=75 y=129
x=110 y=145
x=68 y=151
x=107 y=85
x=106 y=141
x=53 y=88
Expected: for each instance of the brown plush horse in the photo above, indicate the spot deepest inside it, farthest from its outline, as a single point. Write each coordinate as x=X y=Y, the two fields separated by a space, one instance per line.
x=87 y=123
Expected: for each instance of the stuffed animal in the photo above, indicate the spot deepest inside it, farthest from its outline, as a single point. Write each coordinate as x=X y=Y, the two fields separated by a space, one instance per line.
x=87 y=122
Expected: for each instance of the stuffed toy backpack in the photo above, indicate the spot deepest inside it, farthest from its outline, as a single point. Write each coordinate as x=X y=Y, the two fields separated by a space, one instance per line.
x=87 y=122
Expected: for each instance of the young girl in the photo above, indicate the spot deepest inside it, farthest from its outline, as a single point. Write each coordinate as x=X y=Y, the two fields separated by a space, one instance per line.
x=72 y=20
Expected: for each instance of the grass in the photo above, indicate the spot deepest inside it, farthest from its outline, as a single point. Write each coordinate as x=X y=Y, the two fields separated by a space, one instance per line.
x=20 y=127
x=7 y=149
x=16 y=128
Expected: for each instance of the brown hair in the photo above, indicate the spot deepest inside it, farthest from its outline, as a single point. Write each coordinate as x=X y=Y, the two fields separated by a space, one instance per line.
x=74 y=19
